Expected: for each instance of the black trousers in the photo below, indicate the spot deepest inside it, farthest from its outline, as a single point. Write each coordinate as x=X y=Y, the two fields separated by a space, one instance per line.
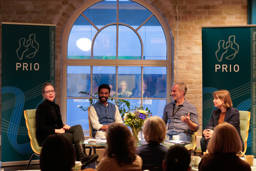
x=204 y=144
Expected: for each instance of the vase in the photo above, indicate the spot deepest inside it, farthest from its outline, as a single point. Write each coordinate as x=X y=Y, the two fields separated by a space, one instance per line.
x=135 y=132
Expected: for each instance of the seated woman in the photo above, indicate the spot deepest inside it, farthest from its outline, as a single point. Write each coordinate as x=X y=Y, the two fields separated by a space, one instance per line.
x=121 y=151
x=49 y=121
x=153 y=153
x=223 y=150
x=57 y=154
x=224 y=113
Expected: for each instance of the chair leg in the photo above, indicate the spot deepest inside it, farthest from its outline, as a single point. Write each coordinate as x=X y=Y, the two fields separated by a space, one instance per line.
x=30 y=159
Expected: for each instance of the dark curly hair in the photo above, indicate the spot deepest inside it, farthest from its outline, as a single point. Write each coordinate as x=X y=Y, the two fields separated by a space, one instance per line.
x=121 y=144
x=106 y=86
x=57 y=154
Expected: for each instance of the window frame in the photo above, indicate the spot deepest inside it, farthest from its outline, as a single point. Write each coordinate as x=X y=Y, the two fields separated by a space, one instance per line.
x=168 y=63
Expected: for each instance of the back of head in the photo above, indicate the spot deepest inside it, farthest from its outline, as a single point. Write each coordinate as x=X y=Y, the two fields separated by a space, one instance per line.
x=225 y=139
x=57 y=154
x=177 y=159
x=121 y=144
x=154 y=129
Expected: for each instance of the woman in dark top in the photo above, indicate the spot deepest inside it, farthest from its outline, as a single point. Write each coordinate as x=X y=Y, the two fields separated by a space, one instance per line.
x=153 y=152
x=223 y=150
x=224 y=112
x=48 y=122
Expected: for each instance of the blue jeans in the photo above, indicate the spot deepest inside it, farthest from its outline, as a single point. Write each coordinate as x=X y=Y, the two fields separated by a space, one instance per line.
x=182 y=136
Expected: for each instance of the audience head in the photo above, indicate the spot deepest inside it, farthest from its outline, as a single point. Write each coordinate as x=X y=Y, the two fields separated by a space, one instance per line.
x=57 y=154
x=48 y=91
x=120 y=144
x=225 y=139
x=224 y=97
x=177 y=159
x=154 y=129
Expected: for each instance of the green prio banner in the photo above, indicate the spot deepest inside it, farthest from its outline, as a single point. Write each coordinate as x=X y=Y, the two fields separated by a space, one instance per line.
x=27 y=62
x=228 y=63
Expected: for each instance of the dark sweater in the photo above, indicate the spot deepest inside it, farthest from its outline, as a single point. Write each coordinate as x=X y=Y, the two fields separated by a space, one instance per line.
x=48 y=118
x=152 y=155
x=223 y=162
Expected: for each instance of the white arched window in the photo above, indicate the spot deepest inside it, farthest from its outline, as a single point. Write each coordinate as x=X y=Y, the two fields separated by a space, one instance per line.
x=125 y=44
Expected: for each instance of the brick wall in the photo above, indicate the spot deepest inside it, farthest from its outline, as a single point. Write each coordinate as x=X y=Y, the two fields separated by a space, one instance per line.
x=185 y=17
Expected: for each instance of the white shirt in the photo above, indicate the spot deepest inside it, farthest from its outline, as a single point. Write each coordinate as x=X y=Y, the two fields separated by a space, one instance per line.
x=95 y=120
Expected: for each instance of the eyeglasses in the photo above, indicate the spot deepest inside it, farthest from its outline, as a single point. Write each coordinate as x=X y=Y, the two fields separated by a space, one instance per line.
x=49 y=91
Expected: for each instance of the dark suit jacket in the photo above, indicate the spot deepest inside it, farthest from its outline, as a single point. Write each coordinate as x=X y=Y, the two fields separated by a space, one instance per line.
x=232 y=116
x=48 y=118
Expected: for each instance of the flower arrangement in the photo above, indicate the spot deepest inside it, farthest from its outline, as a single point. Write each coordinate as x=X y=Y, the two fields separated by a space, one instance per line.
x=135 y=120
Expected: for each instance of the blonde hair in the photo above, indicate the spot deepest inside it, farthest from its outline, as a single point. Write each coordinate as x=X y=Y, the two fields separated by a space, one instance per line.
x=225 y=139
x=154 y=129
x=225 y=96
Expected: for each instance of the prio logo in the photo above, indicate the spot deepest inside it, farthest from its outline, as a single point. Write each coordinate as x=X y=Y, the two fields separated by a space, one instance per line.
x=227 y=50
x=27 y=49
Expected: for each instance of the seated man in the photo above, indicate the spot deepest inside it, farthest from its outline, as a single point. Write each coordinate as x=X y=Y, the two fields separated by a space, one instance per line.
x=102 y=113
x=180 y=116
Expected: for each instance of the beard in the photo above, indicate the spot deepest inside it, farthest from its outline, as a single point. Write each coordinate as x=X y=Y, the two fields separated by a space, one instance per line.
x=103 y=99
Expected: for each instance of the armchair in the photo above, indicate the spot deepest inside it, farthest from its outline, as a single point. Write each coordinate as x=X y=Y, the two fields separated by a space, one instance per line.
x=30 y=119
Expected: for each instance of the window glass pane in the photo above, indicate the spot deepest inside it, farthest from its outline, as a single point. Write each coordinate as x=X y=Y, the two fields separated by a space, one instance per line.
x=78 y=81
x=105 y=44
x=79 y=42
x=104 y=75
x=132 y=13
x=102 y=13
x=153 y=76
x=156 y=107
x=153 y=40
x=129 y=81
x=129 y=44
x=77 y=113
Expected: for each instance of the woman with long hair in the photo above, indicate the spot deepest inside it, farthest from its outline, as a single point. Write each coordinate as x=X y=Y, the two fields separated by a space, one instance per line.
x=223 y=149
x=121 y=150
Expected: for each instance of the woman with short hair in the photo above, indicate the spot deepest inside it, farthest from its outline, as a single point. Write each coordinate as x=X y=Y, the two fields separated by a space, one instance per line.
x=153 y=152
x=224 y=112
x=223 y=150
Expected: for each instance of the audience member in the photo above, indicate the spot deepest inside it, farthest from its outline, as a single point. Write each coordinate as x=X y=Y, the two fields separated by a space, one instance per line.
x=180 y=116
x=103 y=112
x=123 y=91
x=121 y=150
x=57 y=154
x=224 y=112
x=153 y=153
x=177 y=159
x=223 y=149
x=49 y=121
